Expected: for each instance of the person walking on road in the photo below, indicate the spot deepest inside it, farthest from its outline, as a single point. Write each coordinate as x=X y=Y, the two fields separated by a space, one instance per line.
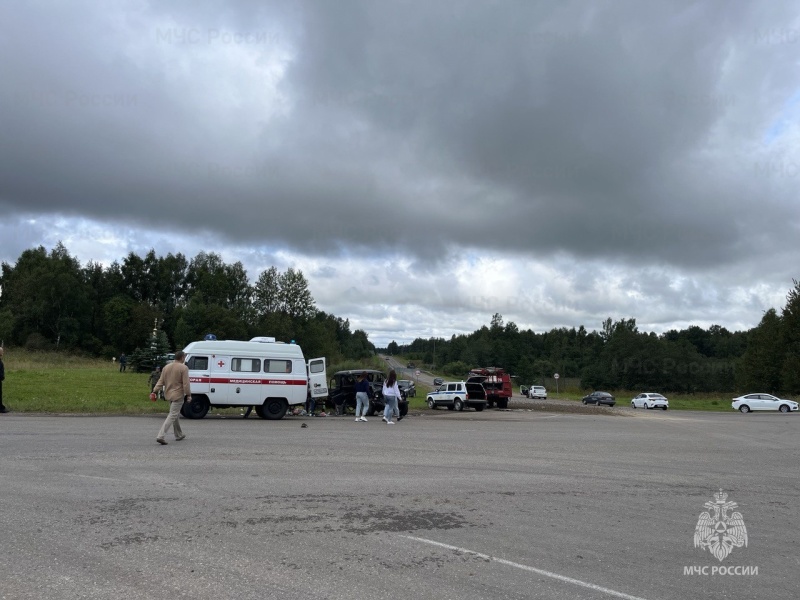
x=362 y=397
x=174 y=381
x=391 y=397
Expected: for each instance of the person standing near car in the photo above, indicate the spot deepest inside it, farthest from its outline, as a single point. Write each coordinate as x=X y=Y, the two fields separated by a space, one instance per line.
x=174 y=381
x=391 y=397
x=362 y=397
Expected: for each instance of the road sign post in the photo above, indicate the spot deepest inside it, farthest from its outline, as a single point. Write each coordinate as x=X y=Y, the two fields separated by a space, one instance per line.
x=556 y=376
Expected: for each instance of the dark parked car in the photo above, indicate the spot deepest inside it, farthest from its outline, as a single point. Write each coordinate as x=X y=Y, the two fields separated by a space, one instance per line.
x=342 y=392
x=438 y=381
x=599 y=398
x=407 y=387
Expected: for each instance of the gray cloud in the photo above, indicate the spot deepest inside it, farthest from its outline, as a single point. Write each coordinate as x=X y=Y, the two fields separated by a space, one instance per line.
x=655 y=138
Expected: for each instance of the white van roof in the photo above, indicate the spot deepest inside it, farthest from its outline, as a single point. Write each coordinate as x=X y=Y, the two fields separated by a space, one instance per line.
x=229 y=347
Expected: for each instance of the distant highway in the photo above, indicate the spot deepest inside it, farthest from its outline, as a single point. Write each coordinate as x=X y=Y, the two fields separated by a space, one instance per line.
x=405 y=373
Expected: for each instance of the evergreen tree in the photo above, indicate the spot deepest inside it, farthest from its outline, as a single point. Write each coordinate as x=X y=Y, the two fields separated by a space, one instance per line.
x=790 y=341
x=760 y=366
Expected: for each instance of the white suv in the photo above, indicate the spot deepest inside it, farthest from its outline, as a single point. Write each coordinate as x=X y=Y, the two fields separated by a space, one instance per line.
x=455 y=395
x=537 y=391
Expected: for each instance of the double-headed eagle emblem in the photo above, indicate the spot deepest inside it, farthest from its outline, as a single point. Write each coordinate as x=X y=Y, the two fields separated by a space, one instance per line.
x=720 y=533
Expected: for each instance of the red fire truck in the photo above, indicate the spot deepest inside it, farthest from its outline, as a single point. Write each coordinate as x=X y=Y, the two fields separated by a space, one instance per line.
x=496 y=382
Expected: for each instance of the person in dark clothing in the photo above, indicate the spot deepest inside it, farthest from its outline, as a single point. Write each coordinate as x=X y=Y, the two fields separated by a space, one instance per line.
x=123 y=362
x=3 y=409
x=155 y=375
x=363 y=389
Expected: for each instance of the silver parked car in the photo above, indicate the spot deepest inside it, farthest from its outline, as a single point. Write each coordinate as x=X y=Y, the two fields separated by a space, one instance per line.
x=537 y=391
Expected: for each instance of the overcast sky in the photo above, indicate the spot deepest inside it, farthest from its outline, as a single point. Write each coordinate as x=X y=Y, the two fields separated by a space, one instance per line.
x=425 y=164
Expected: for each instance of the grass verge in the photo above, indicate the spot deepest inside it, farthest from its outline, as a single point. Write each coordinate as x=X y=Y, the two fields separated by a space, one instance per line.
x=705 y=402
x=50 y=382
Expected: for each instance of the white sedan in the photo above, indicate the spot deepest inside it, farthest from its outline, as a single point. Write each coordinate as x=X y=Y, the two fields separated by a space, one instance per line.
x=763 y=402
x=537 y=391
x=650 y=400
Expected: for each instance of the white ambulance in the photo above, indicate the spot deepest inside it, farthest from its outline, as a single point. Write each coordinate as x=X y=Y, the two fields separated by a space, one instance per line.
x=267 y=375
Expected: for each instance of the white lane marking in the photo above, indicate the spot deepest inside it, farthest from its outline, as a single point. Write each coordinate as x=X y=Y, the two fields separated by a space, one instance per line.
x=503 y=561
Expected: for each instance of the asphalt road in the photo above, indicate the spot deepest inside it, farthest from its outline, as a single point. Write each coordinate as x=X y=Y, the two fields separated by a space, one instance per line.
x=496 y=505
x=405 y=373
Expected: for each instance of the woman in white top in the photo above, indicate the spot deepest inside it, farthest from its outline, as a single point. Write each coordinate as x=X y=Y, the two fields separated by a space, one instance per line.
x=391 y=397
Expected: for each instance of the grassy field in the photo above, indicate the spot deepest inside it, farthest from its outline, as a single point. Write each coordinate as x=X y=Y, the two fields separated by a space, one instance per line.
x=418 y=402
x=49 y=382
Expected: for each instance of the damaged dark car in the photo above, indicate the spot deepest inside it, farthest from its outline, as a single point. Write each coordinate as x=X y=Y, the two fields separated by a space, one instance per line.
x=342 y=392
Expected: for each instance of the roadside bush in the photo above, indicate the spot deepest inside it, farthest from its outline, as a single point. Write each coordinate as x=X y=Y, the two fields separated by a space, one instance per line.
x=6 y=326
x=36 y=341
x=457 y=368
x=92 y=345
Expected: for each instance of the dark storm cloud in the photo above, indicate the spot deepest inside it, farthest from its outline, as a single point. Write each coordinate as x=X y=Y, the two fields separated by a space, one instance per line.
x=622 y=130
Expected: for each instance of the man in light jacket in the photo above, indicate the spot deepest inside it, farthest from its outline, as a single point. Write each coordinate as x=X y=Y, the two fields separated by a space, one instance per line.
x=174 y=381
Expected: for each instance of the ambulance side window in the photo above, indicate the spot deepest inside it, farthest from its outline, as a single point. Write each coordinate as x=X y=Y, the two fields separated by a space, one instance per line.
x=277 y=366
x=197 y=363
x=246 y=365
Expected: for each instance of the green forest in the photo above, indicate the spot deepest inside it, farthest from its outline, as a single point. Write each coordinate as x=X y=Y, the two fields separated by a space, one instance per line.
x=49 y=301
x=620 y=357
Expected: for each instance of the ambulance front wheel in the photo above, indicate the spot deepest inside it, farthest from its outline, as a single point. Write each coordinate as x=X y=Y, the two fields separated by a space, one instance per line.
x=273 y=409
x=196 y=409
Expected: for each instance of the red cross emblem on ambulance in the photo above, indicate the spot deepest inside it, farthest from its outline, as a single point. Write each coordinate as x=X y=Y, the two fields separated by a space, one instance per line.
x=220 y=364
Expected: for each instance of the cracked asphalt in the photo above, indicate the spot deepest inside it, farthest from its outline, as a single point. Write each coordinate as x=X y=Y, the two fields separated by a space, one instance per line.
x=500 y=504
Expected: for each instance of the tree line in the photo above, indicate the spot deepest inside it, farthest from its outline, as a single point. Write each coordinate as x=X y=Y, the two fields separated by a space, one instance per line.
x=48 y=300
x=619 y=356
